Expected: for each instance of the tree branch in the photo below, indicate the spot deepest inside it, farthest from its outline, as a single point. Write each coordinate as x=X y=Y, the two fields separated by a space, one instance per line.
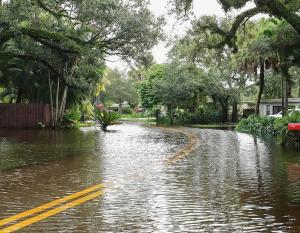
x=280 y=10
x=10 y=55
x=44 y=37
x=58 y=14
x=229 y=38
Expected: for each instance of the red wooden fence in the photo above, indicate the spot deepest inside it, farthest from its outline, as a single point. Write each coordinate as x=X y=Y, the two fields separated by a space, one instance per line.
x=24 y=115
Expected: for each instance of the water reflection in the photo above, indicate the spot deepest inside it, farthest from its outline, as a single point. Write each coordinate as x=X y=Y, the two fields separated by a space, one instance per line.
x=231 y=183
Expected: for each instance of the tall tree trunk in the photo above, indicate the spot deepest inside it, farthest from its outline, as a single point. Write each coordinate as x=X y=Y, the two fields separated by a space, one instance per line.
x=224 y=104
x=225 y=114
x=51 y=99
x=261 y=84
x=56 y=101
x=120 y=105
x=170 y=110
x=285 y=88
x=234 y=117
x=299 y=87
x=19 y=95
x=63 y=103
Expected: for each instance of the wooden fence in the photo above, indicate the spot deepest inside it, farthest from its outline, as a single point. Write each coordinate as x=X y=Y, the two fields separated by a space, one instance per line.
x=24 y=115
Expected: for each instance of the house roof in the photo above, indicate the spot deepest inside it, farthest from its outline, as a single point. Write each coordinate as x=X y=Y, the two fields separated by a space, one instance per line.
x=279 y=101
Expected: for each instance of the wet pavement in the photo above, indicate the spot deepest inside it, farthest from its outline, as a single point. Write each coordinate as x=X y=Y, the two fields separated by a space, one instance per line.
x=231 y=183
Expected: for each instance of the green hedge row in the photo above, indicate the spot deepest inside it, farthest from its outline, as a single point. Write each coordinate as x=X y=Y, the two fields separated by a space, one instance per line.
x=276 y=128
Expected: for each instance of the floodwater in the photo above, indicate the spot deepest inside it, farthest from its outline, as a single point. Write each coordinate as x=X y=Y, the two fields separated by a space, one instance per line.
x=232 y=182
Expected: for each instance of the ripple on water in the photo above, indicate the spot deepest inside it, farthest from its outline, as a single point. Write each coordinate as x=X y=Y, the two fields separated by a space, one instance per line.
x=231 y=183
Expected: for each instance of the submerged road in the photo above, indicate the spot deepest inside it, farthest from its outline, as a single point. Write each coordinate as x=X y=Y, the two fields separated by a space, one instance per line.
x=140 y=179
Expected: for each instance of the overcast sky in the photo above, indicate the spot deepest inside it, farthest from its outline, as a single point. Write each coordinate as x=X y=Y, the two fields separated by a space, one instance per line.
x=173 y=27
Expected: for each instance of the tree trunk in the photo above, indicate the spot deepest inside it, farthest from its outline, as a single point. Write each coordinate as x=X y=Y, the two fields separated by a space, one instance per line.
x=51 y=100
x=234 y=117
x=63 y=103
x=170 y=110
x=299 y=87
x=56 y=102
x=120 y=105
x=261 y=84
x=157 y=114
x=224 y=104
x=225 y=114
x=285 y=88
x=19 y=95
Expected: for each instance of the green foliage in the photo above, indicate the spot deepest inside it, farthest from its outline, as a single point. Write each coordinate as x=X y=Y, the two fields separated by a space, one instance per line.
x=127 y=111
x=188 y=118
x=86 y=111
x=279 y=9
x=276 y=128
x=71 y=118
x=68 y=42
x=148 y=96
x=119 y=89
x=257 y=125
x=105 y=118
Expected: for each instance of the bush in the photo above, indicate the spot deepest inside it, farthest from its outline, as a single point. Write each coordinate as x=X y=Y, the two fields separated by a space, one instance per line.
x=188 y=118
x=127 y=111
x=257 y=125
x=276 y=128
x=71 y=118
x=105 y=118
x=86 y=109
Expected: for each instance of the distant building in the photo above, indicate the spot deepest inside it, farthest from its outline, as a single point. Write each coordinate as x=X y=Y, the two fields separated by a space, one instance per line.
x=274 y=106
x=247 y=108
x=119 y=107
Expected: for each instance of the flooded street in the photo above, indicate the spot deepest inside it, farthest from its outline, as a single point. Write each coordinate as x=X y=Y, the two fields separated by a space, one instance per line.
x=232 y=182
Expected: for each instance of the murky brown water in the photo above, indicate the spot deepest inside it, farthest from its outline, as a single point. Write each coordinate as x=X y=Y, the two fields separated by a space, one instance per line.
x=231 y=183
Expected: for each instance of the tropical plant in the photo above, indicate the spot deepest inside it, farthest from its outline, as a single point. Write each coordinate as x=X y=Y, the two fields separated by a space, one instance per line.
x=70 y=118
x=105 y=118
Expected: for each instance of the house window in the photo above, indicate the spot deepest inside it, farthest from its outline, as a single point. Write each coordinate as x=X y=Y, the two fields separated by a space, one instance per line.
x=276 y=109
x=268 y=110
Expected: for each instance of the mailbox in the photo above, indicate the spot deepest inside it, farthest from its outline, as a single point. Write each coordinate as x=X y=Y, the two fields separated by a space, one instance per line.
x=294 y=127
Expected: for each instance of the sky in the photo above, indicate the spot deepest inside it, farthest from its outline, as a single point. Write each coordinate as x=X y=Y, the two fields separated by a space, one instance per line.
x=173 y=27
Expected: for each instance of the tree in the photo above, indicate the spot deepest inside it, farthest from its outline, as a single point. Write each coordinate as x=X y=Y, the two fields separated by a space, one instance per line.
x=257 y=54
x=72 y=38
x=120 y=89
x=284 y=41
x=225 y=79
x=148 y=97
x=180 y=89
x=286 y=10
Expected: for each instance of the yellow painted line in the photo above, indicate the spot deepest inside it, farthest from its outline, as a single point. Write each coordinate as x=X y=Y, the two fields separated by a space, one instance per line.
x=50 y=213
x=49 y=205
x=187 y=149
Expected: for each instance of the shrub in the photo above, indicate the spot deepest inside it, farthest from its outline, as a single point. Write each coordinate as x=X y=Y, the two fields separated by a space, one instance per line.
x=86 y=109
x=127 y=111
x=71 y=118
x=105 y=118
x=188 y=118
x=276 y=128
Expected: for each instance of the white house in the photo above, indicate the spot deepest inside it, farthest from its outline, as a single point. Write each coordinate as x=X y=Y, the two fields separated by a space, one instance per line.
x=274 y=106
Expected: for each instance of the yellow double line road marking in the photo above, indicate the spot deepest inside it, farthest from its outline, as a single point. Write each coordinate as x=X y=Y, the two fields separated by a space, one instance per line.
x=187 y=149
x=51 y=212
